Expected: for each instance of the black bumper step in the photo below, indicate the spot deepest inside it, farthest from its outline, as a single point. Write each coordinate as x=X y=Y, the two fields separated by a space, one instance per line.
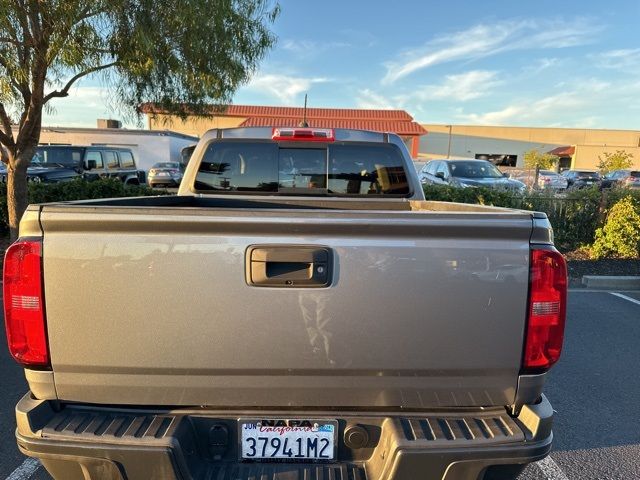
x=89 y=443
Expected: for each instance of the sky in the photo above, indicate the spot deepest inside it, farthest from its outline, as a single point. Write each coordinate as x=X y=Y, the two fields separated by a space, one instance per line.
x=561 y=63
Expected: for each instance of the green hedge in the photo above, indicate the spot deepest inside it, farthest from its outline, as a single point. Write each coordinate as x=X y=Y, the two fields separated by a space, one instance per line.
x=575 y=217
x=78 y=189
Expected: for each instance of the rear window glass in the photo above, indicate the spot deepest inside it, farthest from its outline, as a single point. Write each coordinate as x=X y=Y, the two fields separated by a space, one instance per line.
x=588 y=174
x=357 y=169
x=126 y=159
x=58 y=156
x=634 y=174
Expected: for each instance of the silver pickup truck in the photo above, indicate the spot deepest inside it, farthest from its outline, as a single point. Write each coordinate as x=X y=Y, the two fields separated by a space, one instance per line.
x=297 y=311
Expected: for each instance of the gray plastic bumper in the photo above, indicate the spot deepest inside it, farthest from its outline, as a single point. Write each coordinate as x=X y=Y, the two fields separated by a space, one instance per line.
x=90 y=443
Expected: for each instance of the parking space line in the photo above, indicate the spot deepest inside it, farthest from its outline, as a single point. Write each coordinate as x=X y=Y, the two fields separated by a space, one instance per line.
x=24 y=471
x=632 y=300
x=550 y=469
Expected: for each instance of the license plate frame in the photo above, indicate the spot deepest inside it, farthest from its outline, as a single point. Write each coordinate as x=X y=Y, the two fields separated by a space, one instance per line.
x=283 y=429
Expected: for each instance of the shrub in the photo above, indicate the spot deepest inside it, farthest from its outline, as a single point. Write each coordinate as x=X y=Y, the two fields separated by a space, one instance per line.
x=620 y=236
x=77 y=189
x=574 y=217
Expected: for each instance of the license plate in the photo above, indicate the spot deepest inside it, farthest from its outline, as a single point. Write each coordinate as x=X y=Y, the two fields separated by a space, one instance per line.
x=163 y=174
x=287 y=440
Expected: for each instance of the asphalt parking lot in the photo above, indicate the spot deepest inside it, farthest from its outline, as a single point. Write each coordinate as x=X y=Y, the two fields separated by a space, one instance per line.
x=595 y=390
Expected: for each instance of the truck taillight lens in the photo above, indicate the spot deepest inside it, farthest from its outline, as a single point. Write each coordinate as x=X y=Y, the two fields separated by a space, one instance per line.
x=547 y=310
x=24 y=303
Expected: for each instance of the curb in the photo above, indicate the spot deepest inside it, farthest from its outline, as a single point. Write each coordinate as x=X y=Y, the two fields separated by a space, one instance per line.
x=611 y=282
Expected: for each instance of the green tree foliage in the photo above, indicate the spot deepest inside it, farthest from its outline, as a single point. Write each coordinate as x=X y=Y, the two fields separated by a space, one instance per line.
x=183 y=56
x=620 y=236
x=543 y=161
x=620 y=160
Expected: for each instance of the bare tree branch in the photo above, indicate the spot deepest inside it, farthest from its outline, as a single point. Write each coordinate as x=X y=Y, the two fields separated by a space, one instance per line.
x=14 y=42
x=6 y=140
x=22 y=19
x=65 y=90
x=6 y=124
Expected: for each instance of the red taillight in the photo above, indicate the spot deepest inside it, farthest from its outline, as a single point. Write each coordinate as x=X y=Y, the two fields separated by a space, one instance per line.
x=24 y=303
x=303 y=134
x=547 y=310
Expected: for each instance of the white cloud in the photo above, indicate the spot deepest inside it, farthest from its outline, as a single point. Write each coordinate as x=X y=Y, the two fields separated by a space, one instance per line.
x=308 y=48
x=283 y=87
x=483 y=40
x=622 y=59
x=461 y=87
x=369 y=99
x=582 y=102
x=83 y=106
x=455 y=88
x=540 y=65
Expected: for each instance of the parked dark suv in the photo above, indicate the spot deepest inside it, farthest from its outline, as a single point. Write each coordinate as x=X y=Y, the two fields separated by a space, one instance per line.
x=581 y=178
x=59 y=163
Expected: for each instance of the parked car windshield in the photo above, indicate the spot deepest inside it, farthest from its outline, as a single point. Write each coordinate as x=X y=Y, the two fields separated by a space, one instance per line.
x=334 y=169
x=474 y=169
x=69 y=157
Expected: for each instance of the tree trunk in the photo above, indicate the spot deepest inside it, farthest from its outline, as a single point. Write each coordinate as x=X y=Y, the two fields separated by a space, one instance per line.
x=17 y=198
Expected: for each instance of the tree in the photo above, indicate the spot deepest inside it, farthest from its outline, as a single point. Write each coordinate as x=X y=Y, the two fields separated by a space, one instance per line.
x=620 y=160
x=540 y=161
x=183 y=56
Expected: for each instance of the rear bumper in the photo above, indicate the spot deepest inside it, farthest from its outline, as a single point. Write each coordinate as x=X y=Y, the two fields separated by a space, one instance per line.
x=86 y=442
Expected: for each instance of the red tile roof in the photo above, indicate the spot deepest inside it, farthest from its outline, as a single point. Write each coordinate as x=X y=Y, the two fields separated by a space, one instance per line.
x=397 y=121
x=567 y=151
x=324 y=113
x=395 y=126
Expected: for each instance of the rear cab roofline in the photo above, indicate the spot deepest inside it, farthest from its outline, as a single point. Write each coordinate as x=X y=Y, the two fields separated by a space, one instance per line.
x=266 y=133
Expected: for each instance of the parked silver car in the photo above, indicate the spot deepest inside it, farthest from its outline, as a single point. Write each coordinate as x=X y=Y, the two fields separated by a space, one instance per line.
x=165 y=174
x=547 y=179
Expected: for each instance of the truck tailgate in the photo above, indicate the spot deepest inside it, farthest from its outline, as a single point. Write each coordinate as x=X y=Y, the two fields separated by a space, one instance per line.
x=425 y=309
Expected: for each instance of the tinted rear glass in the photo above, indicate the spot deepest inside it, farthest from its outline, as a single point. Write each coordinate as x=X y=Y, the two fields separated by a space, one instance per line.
x=338 y=169
x=166 y=165
x=588 y=175
x=635 y=174
x=57 y=156
x=126 y=159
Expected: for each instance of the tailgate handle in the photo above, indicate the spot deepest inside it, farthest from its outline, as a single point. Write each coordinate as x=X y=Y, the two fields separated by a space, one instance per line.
x=288 y=266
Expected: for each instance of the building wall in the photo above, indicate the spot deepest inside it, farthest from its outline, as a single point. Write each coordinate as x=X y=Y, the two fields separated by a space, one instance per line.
x=469 y=140
x=195 y=126
x=563 y=136
x=586 y=156
x=435 y=144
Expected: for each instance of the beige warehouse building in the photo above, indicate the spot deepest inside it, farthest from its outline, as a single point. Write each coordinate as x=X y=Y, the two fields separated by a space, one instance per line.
x=578 y=148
